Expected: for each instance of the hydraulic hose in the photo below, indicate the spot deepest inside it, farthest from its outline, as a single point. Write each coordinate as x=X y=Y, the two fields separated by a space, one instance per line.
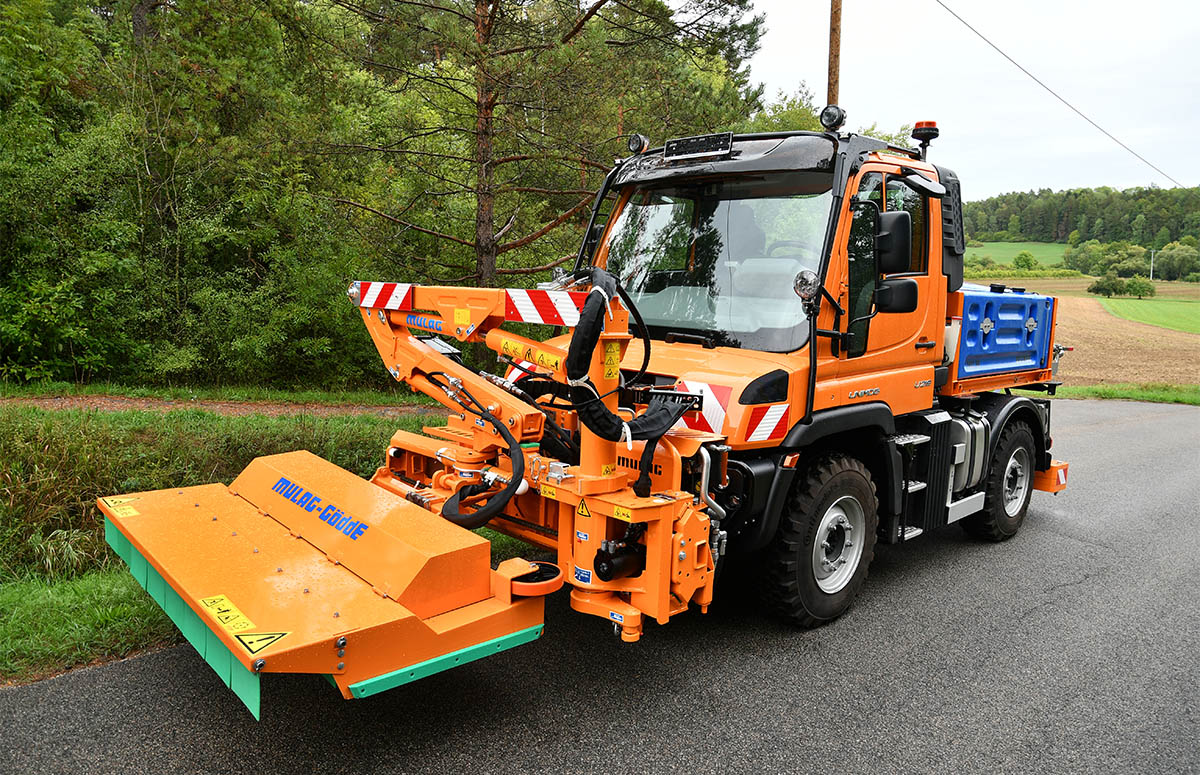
x=482 y=515
x=659 y=416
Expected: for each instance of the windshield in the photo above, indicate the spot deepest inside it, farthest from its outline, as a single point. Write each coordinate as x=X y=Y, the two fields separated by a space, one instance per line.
x=718 y=257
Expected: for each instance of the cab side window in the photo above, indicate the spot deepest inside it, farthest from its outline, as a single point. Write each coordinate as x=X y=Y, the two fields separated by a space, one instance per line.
x=862 y=271
x=900 y=196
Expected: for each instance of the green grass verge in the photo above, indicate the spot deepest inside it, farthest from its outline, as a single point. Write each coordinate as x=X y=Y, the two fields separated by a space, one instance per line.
x=49 y=626
x=1177 y=314
x=1154 y=392
x=1047 y=253
x=400 y=395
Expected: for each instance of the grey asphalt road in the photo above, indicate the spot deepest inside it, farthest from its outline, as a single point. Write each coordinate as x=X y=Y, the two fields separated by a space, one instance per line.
x=1074 y=647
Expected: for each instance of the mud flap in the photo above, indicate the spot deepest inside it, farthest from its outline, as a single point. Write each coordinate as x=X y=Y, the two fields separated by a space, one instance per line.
x=302 y=567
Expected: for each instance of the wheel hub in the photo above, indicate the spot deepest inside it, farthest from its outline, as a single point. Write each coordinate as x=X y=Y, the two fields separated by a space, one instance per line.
x=838 y=545
x=1016 y=481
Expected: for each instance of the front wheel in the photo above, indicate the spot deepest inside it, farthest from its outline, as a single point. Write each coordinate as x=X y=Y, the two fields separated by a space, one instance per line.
x=826 y=540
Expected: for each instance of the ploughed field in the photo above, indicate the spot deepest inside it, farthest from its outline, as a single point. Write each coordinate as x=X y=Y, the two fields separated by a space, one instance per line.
x=1110 y=349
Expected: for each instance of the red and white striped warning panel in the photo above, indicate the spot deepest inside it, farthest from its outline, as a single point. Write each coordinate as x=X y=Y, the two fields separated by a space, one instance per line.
x=513 y=374
x=768 y=422
x=385 y=295
x=555 y=308
x=711 y=419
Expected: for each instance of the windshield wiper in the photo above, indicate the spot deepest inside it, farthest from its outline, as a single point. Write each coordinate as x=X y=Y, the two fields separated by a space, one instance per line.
x=678 y=336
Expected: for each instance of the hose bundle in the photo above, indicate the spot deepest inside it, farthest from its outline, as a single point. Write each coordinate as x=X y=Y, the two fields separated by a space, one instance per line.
x=660 y=414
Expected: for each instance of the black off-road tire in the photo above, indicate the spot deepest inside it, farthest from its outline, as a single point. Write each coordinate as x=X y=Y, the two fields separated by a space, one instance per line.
x=790 y=587
x=995 y=522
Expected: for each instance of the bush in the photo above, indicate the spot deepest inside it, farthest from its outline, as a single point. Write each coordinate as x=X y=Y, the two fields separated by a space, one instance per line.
x=1025 y=260
x=1139 y=286
x=974 y=243
x=1194 y=277
x=1108 y=286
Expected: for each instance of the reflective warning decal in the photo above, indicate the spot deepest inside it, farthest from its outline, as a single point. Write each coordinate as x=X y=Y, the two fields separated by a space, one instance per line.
x=119 y=506
x=612 y=360
x=226 y=613
x=582 y=509
x=257 y=641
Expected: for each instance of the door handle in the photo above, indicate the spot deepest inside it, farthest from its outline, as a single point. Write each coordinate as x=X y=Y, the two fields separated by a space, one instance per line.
x=925 y=344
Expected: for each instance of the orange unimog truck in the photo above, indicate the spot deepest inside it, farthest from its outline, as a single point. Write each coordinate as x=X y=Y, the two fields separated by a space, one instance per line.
x=769 y=351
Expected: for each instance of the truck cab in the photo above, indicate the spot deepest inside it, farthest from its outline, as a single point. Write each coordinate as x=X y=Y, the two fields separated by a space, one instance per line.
x=809 y=287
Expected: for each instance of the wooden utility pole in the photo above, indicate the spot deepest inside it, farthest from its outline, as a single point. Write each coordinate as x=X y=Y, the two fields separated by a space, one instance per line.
x=835 y=49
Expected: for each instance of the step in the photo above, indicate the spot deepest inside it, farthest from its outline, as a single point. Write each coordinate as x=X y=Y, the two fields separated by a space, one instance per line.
x=912 y=485
x=908 y=439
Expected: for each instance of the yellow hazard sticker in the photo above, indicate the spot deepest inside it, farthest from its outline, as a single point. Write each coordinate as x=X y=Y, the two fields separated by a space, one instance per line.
x=226 y=613
x=608 y=469
x=255 y=642
x=548 y=491
x=119 y=506
x=462 y=316
x=620 y=512
x=582 y=510
x=612 y=360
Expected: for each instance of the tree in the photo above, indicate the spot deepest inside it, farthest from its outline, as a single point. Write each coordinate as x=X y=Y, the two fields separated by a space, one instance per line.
x=1176 y=260
x=1025 y=260
x=1139 y=286
x=1109 y=285
x=1014 y=226
x=1074 y=238
x=519 y=99
x=1138 y=229
x=1162 y=238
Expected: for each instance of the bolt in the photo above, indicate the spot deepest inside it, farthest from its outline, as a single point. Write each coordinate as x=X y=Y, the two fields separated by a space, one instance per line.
x=278 y=570
x=214 y=519
x=259 y=664
x=682 y=542
x=341 y=642
x=233 y=533
x=341 y=665
x=197 y=505
x=683 y=555
x=341 y=652
x=306 y=590
x=336 y=614
x=256 y=550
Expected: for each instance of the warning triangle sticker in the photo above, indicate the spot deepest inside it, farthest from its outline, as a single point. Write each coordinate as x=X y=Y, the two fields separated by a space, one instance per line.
x=582 y=509
x=255 y=642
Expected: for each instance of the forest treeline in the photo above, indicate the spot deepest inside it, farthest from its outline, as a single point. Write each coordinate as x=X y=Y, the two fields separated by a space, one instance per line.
x=1149 y=217
x=187 y=187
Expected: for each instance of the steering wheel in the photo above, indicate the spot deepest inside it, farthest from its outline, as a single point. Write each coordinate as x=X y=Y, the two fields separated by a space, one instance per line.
x=806 y=249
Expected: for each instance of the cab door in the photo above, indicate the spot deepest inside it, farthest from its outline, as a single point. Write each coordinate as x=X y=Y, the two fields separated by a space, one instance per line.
x=890 y=356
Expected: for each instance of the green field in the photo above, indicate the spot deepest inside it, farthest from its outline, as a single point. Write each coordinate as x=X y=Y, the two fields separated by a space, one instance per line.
x=1179 y=314
x=1047 y=253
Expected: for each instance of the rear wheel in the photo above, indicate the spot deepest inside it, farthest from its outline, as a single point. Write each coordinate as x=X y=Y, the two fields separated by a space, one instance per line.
x=1008 y=488
x=826 y=541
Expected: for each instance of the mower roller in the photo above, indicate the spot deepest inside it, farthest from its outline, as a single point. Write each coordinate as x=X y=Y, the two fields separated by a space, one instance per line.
x=767 y=349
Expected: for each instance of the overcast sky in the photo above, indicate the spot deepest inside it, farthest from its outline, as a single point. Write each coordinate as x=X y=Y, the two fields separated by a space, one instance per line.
x=1133 y=67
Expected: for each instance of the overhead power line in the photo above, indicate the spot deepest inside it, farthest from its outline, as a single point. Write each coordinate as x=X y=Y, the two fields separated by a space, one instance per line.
x=1057 y=96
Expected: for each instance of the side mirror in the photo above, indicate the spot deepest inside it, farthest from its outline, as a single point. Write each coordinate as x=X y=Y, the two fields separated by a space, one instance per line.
x=896 y=295
x=924 y=186
x=893 y=242
x=593 y=237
